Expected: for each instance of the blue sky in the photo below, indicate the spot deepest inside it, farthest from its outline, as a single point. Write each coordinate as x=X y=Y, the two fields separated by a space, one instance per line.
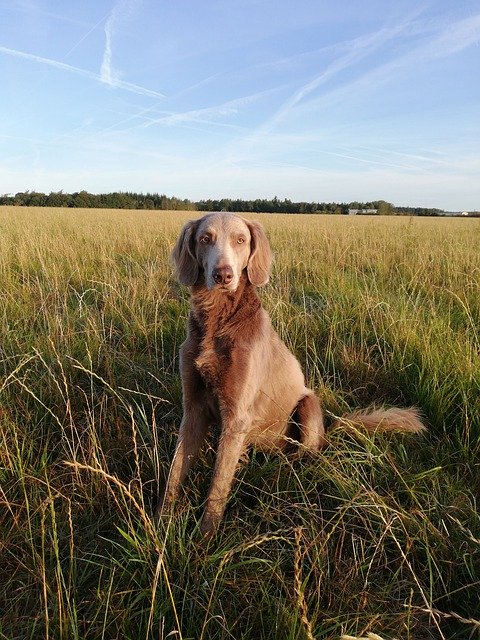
x=302 y=99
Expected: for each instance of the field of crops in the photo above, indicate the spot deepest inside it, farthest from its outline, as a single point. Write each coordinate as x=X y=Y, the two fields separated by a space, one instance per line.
x=373 y=535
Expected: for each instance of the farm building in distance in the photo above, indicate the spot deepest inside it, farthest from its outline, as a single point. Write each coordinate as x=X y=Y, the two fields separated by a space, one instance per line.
x=362 y=212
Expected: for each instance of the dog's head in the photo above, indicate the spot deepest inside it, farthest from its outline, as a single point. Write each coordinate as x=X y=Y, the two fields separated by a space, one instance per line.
x=220 y=246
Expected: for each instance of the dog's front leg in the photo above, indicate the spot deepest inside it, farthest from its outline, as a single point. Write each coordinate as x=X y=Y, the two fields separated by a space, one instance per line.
x=230 y=448
x=194 y=426
x=192 y=434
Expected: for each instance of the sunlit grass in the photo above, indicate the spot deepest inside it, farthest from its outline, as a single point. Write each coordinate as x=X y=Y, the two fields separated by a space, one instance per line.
x=374 y=535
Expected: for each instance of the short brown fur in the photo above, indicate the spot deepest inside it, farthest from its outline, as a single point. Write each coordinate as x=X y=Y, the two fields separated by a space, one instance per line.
x=236 y=372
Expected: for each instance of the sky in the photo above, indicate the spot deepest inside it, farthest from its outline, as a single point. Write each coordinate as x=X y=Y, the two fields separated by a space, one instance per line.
x=311 y=100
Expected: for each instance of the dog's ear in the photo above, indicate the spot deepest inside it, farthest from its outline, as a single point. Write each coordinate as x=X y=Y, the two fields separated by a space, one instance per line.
x=260 y=261
x=183 y=255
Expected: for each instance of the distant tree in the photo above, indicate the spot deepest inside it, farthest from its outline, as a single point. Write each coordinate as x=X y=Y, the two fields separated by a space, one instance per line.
x=21 y=198
x=384 y=208
x=81 y=199
x=58 y=199
x=6 y=199
x=36 y=199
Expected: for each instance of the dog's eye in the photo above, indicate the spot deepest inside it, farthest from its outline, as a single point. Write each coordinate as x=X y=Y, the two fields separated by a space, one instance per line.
x=204 y=239
x=241 y=240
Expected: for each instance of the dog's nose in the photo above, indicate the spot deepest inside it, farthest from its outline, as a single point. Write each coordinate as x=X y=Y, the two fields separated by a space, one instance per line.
x=223 y=275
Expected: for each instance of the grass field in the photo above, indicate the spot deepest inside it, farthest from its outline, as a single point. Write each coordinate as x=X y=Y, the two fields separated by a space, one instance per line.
x=374 y=535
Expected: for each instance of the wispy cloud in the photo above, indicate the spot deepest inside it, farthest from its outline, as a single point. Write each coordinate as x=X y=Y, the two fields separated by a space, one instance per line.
x=34 y=7
x=453 y=38
x=354 y=51
x=120 y=12
x=432 y=41
x=120 y=84
x=210 y=115
x=443 y=41
x=349 y=53
x=106 y=72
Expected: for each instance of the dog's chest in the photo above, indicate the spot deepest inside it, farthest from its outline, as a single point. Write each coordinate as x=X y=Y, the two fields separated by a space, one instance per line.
x=214 y=359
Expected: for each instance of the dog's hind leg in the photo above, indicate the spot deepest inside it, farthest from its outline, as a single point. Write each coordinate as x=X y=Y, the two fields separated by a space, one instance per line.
x=309 y=416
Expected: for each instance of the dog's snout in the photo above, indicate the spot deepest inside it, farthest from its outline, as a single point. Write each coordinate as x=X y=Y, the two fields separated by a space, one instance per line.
x=223 y=275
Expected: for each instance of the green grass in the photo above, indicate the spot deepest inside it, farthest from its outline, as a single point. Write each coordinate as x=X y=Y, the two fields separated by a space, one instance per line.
x=376 y=535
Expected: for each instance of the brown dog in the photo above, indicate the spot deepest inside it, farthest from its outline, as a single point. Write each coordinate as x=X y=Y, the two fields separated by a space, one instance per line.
x=236 y=371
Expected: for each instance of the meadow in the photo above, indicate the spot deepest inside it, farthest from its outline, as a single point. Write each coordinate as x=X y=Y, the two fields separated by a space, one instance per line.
x=374 y=535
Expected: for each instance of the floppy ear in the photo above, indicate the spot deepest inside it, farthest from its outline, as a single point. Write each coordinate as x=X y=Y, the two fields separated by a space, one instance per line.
x=260 y=261
x=183 y=255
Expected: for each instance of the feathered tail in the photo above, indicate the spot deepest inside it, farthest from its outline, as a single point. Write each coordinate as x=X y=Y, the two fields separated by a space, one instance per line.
x=372 y=420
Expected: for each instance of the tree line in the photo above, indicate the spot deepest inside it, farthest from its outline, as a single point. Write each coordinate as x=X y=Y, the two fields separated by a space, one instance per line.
x=84 y=199
x=155 y=201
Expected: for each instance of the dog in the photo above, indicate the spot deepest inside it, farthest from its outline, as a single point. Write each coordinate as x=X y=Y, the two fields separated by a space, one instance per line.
x=236 y=372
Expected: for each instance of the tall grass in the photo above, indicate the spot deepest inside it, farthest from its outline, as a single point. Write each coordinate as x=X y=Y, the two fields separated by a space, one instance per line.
x=375 y=535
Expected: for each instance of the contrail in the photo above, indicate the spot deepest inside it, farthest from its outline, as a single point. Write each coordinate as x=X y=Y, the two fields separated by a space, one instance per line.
x=121 y=10
x=95 y=26
x=231 y=107
x=106 y=68
x=120 y=84
x=358 y=48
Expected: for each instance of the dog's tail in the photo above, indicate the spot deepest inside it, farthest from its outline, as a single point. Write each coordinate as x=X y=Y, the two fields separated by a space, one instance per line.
x=381 y=420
